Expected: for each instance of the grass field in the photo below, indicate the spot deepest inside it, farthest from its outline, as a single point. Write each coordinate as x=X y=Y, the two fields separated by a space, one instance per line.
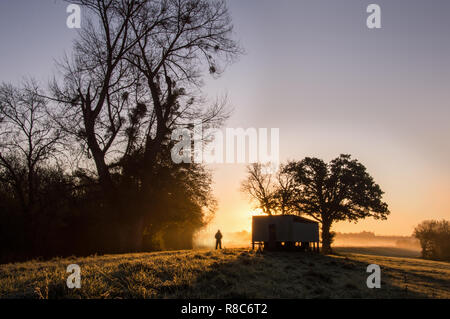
x=230 y=273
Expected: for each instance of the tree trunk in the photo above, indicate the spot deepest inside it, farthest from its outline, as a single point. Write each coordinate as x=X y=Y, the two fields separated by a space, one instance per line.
x=326 y=237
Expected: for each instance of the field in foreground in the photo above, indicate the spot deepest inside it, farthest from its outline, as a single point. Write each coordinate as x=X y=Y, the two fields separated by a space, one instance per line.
x=230 y=273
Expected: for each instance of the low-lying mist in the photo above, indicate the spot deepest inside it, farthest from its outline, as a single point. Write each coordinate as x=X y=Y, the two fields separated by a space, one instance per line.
x=205 y=239
x=369 y=239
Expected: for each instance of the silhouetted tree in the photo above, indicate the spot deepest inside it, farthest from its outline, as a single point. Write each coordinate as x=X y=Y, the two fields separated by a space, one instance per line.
x=28 y=140
x=182 y=201
x=339 y=190
x=272 y=191
x=285 y=192
x=34 y=189
x=186 y=38
x=135 y=75
x=261 y=186
x=92 y=95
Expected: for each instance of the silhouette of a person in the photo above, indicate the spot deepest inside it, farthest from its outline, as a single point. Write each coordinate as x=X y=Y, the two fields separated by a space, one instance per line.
x=218 y=239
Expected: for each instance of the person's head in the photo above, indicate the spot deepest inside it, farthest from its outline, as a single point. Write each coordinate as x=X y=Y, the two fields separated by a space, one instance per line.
x=218 y=230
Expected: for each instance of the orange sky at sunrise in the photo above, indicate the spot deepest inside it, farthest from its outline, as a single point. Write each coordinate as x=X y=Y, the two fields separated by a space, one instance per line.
x=331 y=85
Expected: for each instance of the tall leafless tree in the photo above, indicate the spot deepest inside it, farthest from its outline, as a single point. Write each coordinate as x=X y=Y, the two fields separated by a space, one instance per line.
x=285 y=194
x=135 y=74
x=261 y=186
x=27 y=139
x=92 y=95
x=185 y=37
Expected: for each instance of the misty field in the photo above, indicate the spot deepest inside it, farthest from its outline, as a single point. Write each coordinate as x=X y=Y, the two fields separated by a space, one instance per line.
x=230 y=273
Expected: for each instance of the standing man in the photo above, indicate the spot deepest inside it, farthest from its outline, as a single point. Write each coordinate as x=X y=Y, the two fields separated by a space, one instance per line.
x=218 y=239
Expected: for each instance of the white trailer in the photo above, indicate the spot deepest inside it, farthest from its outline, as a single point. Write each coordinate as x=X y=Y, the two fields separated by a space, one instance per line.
x=285 y=231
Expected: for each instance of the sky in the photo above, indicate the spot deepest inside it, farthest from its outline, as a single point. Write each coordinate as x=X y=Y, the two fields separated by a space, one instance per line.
x=315 y=71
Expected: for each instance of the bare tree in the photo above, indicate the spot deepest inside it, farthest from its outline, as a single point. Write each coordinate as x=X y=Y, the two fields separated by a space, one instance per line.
x=135 y=74
x=285 y=193
x=93 y=96
x=184 y=37
x=261 y=186
x=27 y=139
